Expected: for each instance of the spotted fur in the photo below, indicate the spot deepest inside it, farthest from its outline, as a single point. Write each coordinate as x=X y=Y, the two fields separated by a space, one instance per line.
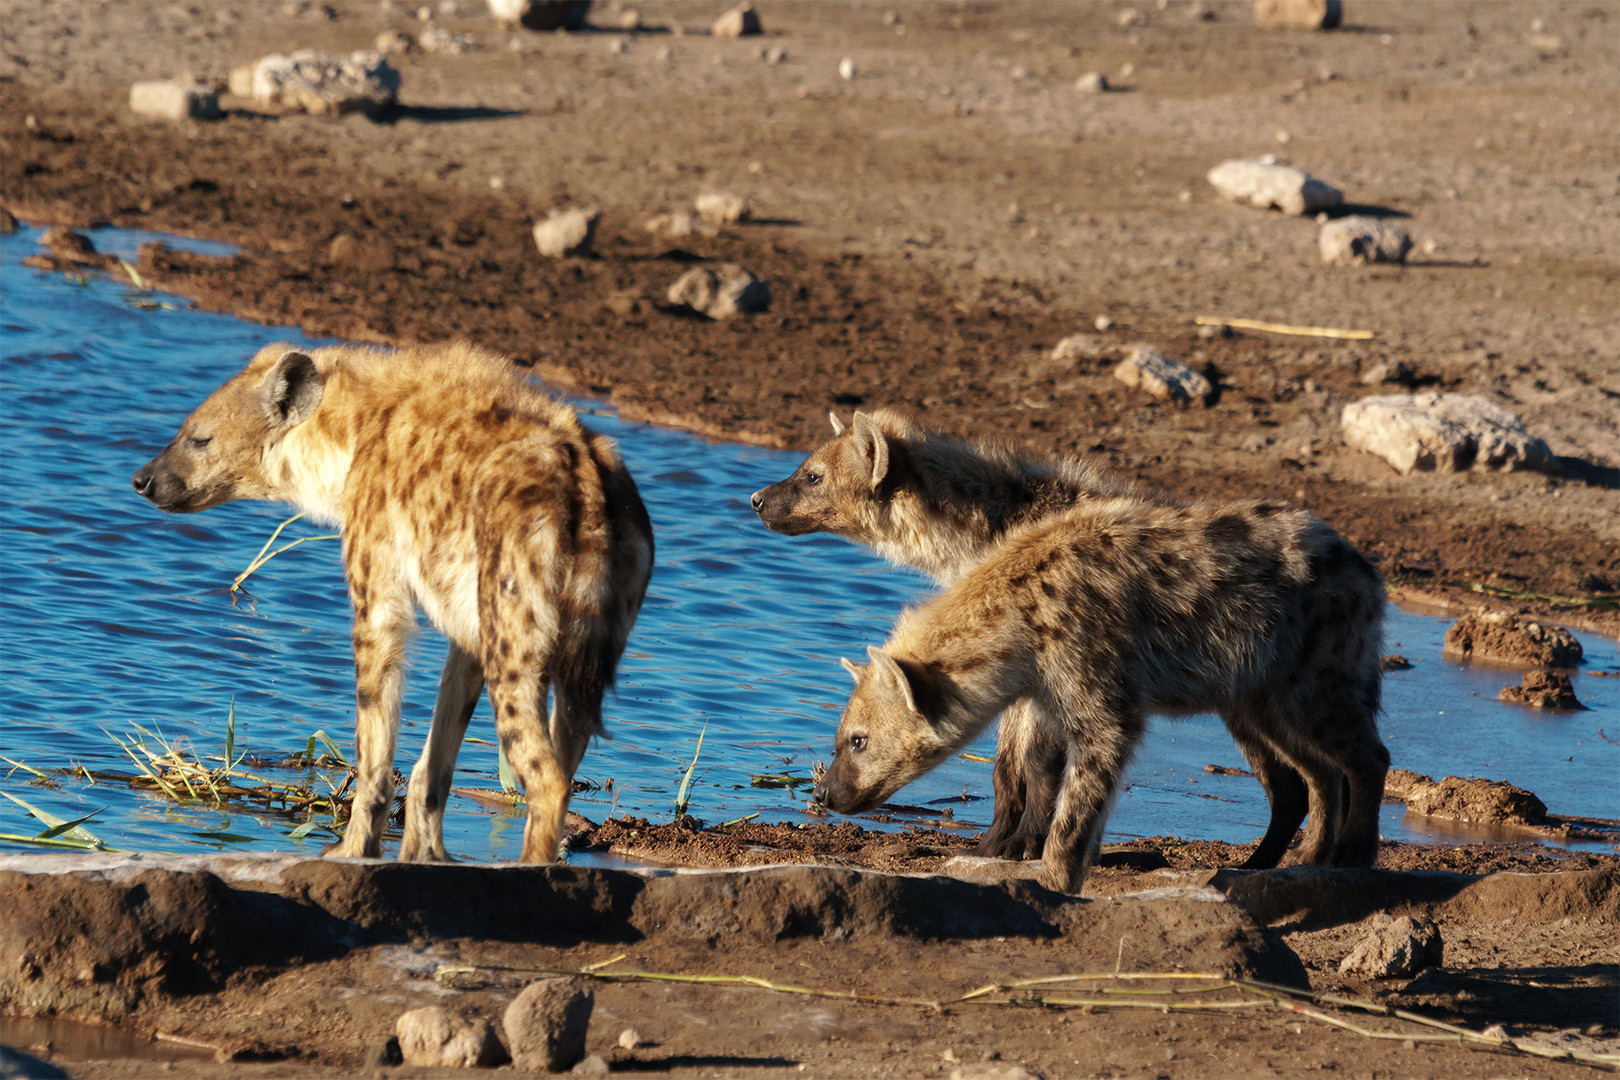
x=461 y=488
x=1117 y=609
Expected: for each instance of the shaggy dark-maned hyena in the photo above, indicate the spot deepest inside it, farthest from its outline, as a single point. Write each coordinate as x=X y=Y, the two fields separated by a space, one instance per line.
x=1116 y=609
x=459 y=486
x=939 y=504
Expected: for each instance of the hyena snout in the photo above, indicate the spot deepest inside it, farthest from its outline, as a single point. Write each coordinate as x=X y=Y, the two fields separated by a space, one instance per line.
x=157 y=483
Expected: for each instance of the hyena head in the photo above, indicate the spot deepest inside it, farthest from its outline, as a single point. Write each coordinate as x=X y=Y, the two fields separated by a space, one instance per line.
x=884 y=739
x=841 y=487
x=219 y=453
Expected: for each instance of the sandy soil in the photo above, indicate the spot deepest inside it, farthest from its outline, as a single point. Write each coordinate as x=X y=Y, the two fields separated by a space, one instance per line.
x=930 y=229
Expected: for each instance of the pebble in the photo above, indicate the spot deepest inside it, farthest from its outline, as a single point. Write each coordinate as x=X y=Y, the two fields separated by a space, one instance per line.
x=1164 y=378
x=775 y=55
x=547 y=1022
x=846 y=68
x=1298 y=14
x=630 y=1038
x=1079 y=347
x=322 y=83
x=433 y=1037
x=1103 y=323
x=1446 y=433
x=676 y=226
x=393 y=42
x=436 y=39
x=174 y=100
x=1395 y=947
x=722 y=208
x=740 y=21
x=1357 y=241
x=1266 y=183
x=1092 y=82
x=592 y=1066
x=721 y=293
x=1400 y=372
x=566 y=232
x=8 y=222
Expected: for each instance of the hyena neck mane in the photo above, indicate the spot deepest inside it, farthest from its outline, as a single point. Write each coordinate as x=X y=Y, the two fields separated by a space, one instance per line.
x=956 y=498
x=960 y=681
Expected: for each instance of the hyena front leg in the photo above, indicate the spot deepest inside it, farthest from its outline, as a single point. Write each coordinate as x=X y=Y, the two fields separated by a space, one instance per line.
x=1090 y=779
x=1030 y=757
x=459 y=688
x=381 y=623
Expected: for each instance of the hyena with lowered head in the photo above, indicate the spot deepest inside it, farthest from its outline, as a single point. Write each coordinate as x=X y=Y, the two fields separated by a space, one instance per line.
x=460 y=487
x=940 y=504
x=926 y=500
x=1117 y=609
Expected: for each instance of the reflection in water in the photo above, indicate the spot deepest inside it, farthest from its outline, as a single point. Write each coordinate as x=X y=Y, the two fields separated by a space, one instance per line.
x=113 y=615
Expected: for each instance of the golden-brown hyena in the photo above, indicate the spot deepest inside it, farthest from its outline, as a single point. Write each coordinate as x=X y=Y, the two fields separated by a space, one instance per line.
x=459 y=486
x=1116 y=609
x=940 y=504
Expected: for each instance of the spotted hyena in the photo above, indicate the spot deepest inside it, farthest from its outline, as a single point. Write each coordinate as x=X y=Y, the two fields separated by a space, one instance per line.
x=1116 y=609
x=460 y=488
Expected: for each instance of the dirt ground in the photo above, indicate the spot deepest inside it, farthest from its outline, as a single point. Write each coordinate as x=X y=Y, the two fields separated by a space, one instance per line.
x=930 y=229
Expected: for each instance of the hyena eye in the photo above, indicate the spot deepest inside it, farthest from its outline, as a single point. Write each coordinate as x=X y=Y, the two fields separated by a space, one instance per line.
x=197 y=442
x=857 y=743
x=812 y=478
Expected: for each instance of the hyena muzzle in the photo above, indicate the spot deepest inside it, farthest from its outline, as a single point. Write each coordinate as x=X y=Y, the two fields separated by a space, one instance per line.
x=461 y=488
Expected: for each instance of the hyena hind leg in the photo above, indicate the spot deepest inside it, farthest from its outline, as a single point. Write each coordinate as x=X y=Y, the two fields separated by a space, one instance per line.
x=1030 y=758
x=459 y=689
x=1285 y=790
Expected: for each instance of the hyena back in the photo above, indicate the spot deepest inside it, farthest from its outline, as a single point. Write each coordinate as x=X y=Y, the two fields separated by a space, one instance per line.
x=462 y=488
x=1118 y=609
x=927 y=500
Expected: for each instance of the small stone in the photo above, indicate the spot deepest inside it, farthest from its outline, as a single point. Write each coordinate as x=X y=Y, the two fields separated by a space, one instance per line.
x=617 y=46
x=1297 y=14
x=1442 y=433
x=546 y=1024
x=395 y=42
x=722 y=208
x=1400 y=372
x=436 y=39
x=1130 y=17
x=174 y=100
x=775 y=55
x=721 y=293
x=676 y=226
x=432 y=1036
x=540 y=14
x=1103 y=323
x=8 y=223
x=1395 y=947
x=1079 y=347
x=591 y=1066
x=1092 y=82
x=630 y=1038
x=990 y=1070
x=323 y=83
x=846 y=68
x=1162 y=377
x=1548 y=44
x=1394 y=662
x=740 y=21
x=891 y=18
x=72 y=246
x=372 y=255
x=566 y=232
x=1265 y=183
x=1542 y=690
x=1357 y=241
x=630 y=20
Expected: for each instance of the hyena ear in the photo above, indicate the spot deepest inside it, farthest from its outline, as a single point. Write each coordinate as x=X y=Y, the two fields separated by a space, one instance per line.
x=855 y=670
x=872 y=448
x=292 y=389
x=894 y=676
x=838 y=425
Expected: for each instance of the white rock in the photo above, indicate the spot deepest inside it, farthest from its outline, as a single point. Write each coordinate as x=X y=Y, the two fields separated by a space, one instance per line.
x=630 y=1038
x=846 y=68
x=676 y=226
x=566 y=232
x=436 y=39
x=1356 y=241
x=1266 y=183
x=174 y=100
x=540 y=14
x=324 y=83
x=1395 y=948
x=722 y=292
x=1079 y=347
x=1163 y=377
x=431 y=1036
x=722 y=208
x=1092 y=82
x=1103 y=323
x=1442 y=432
x=740 y=21
x=775 y=55
x=1298 y=14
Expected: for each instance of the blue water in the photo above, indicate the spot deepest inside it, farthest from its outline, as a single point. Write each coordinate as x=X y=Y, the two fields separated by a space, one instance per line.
x=113 y=614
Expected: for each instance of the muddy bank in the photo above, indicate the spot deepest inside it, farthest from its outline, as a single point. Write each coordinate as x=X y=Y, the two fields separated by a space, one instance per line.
x=930 y=230
x=255 y=958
